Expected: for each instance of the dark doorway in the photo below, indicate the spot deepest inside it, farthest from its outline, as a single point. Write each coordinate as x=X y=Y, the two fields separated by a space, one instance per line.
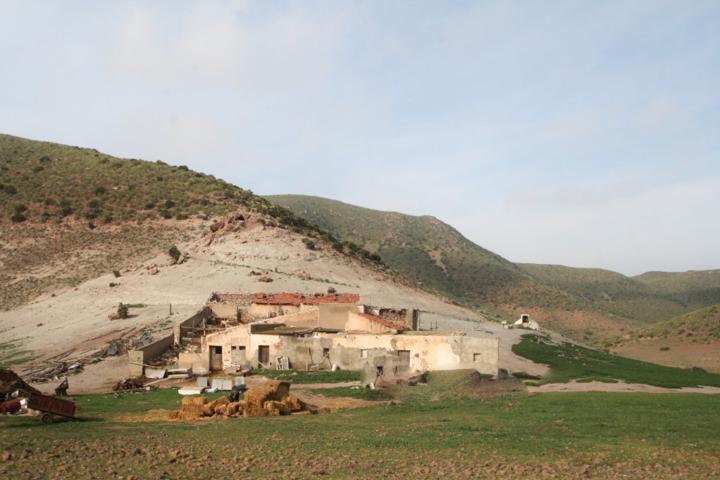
x=264 y=355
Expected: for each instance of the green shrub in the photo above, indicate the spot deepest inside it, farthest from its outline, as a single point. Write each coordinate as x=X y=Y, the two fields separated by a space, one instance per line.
x=309 y=244
x=174 y=253
x=122 y=311
x=45 y=159
x=100 y=190
x=94 y=203
x=18 y=218
x=166 y=214
x=169 y=204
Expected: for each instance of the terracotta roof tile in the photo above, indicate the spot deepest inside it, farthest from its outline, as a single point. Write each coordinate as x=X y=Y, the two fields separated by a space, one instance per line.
x=299 y=298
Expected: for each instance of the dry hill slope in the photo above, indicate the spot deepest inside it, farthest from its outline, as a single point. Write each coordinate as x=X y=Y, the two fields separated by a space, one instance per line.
x=70 y=217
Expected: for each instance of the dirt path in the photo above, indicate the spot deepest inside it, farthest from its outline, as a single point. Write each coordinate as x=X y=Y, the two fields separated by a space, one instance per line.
x=617 y=387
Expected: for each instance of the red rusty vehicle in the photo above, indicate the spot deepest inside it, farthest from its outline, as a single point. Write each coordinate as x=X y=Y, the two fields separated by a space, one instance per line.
x=51 y=406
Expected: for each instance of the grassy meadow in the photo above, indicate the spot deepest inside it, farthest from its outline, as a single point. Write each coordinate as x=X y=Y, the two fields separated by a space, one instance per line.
x=447 y=428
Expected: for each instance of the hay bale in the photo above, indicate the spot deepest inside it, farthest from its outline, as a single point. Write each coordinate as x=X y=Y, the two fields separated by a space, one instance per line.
x=233 y=408
x=293 y=403
x=220 y=410
x=191 y=408
x=272 y=390
x=209 y=408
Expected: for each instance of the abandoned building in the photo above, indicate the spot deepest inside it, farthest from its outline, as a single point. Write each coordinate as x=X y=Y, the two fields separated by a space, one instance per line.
x=324 y=331
x=526 y=322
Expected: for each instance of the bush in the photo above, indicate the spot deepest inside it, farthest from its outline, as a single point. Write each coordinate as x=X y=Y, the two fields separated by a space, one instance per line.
x=94 y=203
x=18 y=218
x=169 y=203
x=149 y=206
x=107 y=218
x=100 y=190
x=174 y=253
x=309 y=244
x=165 y=214
x=38 y=168
x=122 y=311
x=116 y=273
x=8 y=189
x=45 y=159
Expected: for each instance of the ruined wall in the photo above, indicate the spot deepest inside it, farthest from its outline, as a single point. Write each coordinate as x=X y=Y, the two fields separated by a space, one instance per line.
x=191 y=322
x=140 y=356
x=224 y=310
x=365 y=351
x=368 y=351
x=308 y=317
x=265 y=311
x=356 y=322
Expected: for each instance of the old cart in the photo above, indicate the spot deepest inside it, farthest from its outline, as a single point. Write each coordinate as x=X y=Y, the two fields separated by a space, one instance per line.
x=51 y=406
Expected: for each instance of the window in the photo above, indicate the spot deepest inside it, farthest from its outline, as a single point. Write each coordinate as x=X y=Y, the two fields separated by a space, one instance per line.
x=477 y=357
x=363 y=353
x=326 y=353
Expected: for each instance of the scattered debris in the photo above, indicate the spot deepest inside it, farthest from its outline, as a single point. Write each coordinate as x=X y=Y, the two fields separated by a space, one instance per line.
x=265 y=279
x=137 y=383
x=61 y=390
x=10 y=383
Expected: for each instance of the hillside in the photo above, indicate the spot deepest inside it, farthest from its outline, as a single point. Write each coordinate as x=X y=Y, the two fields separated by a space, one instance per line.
x=68 y=214
x=585 y=303
x=436 y=256
x=695 y=289
x=608 y=291
x=86 y=239
x=688 y=340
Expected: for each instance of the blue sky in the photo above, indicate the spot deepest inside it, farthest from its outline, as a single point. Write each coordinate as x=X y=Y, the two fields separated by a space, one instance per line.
x=581 y=133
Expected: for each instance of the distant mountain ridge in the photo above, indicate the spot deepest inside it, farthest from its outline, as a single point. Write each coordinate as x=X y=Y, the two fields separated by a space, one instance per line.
x=584 y=302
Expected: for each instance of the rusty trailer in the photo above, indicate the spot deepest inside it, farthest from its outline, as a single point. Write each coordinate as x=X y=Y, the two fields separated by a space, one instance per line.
x=51 y=406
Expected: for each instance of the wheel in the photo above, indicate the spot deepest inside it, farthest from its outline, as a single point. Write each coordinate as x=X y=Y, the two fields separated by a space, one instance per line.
x=46 y=418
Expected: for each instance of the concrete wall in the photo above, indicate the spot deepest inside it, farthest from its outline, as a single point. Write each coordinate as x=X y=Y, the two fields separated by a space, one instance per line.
x=335 y=315
x=137 y=358
x=359 y=323
x=198 y=362
x=224 y=310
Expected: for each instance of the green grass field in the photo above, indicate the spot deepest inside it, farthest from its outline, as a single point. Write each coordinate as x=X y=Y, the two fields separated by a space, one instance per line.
x=573 y=362
x=445 y=428
x=301 y=376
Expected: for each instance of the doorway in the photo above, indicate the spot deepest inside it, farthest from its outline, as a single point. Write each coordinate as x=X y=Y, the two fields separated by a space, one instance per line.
x=216 y=360
x=264 y=355
x=237 y=356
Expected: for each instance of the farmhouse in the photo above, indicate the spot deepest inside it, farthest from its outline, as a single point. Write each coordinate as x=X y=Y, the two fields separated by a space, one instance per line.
x=330 y=331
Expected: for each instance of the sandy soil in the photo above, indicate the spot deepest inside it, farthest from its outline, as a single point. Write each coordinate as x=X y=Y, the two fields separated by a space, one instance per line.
x=74 y=322
x=683 y=355
x=617 y=387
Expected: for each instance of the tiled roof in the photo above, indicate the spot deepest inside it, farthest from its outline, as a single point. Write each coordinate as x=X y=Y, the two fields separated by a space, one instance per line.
x=299 y=298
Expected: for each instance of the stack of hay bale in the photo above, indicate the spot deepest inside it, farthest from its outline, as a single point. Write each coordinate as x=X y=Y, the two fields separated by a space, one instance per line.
x=269 y=399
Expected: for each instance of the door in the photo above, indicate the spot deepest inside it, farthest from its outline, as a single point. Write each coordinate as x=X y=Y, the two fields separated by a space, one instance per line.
x=216 y=360
x=237 y=356
x=264 y=355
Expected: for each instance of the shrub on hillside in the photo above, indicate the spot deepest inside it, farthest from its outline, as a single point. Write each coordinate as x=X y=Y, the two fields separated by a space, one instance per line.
x=309 y=244
x=122 y=311
x=174 y=253
x=165 y=214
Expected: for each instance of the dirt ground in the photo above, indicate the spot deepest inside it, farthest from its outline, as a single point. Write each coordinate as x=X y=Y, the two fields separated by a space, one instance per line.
x=617 y=387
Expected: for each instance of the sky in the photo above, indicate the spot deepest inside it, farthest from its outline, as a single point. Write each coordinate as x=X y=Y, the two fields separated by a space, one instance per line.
x=570 y=132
